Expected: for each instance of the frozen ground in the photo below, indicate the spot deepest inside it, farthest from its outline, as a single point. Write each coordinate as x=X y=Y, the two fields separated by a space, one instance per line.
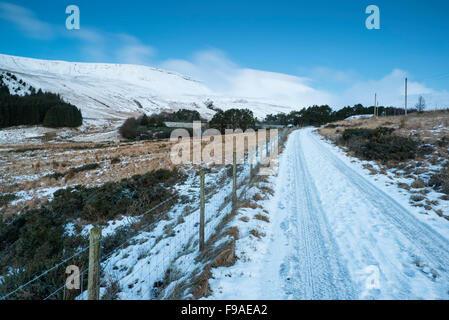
x=337 y=233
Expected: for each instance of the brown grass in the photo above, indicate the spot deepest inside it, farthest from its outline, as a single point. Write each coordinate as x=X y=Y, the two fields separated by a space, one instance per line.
x=431 y=128
x=256 y=233
x=47 y=158
x=201 y=286
x=261 y=217
x=418 y=184
x=425 y=123
x=257 y=197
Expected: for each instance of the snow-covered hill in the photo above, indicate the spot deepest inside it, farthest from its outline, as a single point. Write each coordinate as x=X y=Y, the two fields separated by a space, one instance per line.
x=114 y=91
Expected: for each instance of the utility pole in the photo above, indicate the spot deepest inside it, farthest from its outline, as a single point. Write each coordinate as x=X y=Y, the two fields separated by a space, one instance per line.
x=202 y=210
x=405 y=96
x=234 y=182
x=375 y=104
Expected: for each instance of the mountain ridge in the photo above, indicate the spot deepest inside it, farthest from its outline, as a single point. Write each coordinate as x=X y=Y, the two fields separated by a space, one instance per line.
x=115 y=91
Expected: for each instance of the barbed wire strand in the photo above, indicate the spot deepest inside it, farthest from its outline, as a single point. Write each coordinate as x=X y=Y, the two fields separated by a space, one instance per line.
x=170 y=249
x=79 y=253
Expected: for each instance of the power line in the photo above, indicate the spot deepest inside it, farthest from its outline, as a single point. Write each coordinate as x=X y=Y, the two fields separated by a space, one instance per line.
x=436 y=76
x=209 y=198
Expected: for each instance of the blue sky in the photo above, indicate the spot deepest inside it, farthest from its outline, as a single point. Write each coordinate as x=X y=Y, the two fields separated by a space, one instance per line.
x=324 y=44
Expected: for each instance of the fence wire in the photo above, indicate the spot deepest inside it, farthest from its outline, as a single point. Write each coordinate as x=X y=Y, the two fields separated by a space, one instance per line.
x=218 y=204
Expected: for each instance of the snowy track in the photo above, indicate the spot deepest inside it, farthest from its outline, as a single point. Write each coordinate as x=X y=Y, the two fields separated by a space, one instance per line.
x=313 y=269
x=335 y=235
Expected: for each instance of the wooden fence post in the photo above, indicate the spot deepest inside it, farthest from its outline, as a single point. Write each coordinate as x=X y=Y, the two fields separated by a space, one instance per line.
x=267 y=145
x=234 y=181
x=94 y=265
x=202 y=211
x=251 y=161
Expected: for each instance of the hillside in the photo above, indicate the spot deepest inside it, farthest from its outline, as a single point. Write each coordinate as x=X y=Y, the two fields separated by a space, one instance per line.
x=114 y=91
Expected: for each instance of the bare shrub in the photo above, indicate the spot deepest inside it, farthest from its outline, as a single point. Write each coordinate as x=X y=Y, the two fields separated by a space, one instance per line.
x=129 y=129
x=418 y=184
x=256 y=233
x=112 y=290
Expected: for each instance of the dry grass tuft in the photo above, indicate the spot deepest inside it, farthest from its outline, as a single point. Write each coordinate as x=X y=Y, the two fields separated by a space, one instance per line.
x=417 y=198
x=261 y=217
x=201 y=288
x=226 y=258
x=250 y=204
x=418 y=184
x=256 y=233
x=257 y=197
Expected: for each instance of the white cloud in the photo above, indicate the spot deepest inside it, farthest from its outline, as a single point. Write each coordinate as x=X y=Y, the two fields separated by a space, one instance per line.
x=222 y=75
x=225 y=77
x=133 y=51
x=95 y=45
x=209 y=66
x=277 y=88
x=329 y=75
x=26 y=21
x=391 y=91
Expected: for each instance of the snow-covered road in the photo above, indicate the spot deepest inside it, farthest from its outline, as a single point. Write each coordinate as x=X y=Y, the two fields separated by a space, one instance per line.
x=337 y=235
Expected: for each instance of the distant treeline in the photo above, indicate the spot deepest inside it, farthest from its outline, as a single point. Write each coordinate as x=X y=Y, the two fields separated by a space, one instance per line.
x=37 y=108
x=153 y=127
x=319 y=115
x=233 y=119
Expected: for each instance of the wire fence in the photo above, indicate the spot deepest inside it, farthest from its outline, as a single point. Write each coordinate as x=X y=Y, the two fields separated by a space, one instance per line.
x=155 y=245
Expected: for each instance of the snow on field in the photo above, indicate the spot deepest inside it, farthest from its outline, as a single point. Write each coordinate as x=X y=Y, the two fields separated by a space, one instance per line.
x=144 y=260
x=22 y=134
x=361 y=116
x=91 y=131
x=113 y=91
x=337 y=232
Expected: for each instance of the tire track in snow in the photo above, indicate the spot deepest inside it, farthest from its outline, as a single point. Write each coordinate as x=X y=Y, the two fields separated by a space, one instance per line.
x=331 y=229
x=313 y=269
x=429 y=243
x=396 y=238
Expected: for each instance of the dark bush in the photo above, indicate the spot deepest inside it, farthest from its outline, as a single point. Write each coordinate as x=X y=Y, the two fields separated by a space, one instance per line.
x=23 y=150
x=115 y=160
x=56 y=175
x=32 y=243
x=70 y=173
x=379 y=144
x=442 y=142
x=36 y=240
x=87 y=167
x=100 y=204
x=440 y=181
x=5 y=199
x=425 y=149
x=112 y=241
x=129 y=129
